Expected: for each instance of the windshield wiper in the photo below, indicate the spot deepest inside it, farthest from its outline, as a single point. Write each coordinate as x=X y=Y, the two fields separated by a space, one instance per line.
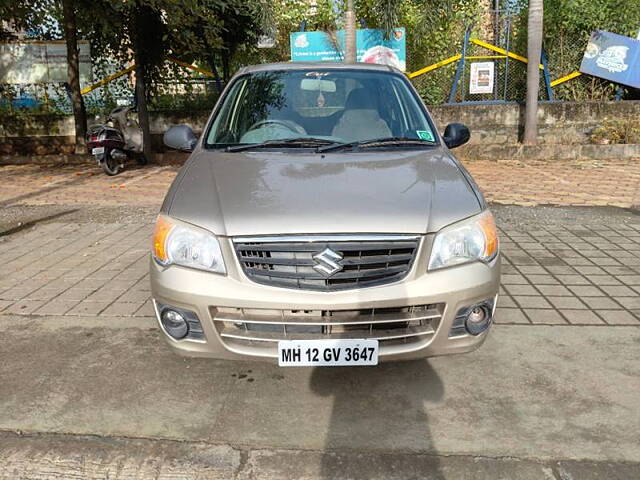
x=295 y=142
x=378 y=141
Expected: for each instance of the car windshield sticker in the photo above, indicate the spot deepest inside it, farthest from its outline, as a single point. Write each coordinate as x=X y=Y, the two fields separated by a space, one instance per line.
x=425 y=135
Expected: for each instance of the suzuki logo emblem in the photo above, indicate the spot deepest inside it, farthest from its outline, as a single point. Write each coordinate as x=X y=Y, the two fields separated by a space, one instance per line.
x=327 y=262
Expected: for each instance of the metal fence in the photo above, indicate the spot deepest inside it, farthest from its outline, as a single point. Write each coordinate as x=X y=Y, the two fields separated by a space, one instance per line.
x=499 y=39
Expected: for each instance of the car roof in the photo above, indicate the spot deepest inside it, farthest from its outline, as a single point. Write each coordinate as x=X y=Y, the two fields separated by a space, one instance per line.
x=266 y=67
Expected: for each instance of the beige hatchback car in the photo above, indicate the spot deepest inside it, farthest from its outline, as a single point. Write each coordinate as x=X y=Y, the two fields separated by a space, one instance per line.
x=321 y=220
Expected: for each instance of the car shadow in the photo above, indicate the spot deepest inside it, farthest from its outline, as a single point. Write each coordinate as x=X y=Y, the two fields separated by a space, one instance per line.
x=382 y=408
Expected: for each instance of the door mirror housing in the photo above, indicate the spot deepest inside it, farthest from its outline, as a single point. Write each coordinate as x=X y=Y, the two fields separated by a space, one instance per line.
x=180 y=137
x=456 y=134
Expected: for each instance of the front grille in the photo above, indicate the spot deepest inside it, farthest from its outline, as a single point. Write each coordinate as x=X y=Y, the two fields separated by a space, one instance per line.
x=362 y=261
x=262 y=328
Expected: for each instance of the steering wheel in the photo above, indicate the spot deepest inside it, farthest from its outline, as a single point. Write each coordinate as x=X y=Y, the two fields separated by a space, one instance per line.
x=288 y=124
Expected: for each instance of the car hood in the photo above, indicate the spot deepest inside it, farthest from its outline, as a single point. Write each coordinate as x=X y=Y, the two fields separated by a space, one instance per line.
x=260 y=193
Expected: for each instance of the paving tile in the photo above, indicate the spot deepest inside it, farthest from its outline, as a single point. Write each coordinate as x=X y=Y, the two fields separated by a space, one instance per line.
x=505 y=301
x=121 y=309
x=618 y=317
x=44 y=294
x=600 y=303
x=554 y=290
x=16 y=293
x=575 y=261
x=545 y=316
x=586 y=291
x=619 y=291
x=88 y=308
x=567 y=302
x=561 y=270
x=521 y=290
x=629 y=279
x=147 y=310
x=4 y=304
x=619 y=270
x=629 y=302
x=24 y=307
x=590 y=270
x=56 y=307
x=531 y=301
x=573 y=280
x=76 y=294
x=532 y=269
x=542 y=280
x=510 y=279
x=134 y=296
x=604 y=280
x=608 y=262
x=581 y=317
x=510 y=315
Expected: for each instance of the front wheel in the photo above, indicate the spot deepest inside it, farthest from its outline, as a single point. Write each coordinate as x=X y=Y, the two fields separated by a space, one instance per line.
x=110 y=165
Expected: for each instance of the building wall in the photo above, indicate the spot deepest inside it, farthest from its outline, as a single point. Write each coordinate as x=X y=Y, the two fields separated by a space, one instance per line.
x=492 y=126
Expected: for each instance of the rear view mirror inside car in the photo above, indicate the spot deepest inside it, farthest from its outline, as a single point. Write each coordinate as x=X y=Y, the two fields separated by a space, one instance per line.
x=318 y=85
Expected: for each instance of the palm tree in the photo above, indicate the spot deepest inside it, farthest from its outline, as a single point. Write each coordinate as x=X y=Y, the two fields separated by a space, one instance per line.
x=534 y=50
x=389 y=10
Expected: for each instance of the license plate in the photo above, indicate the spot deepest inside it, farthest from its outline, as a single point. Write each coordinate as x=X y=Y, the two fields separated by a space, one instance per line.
x=97 y=150
x=327 y=353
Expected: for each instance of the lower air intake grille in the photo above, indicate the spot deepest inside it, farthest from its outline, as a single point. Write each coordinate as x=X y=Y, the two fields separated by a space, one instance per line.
x=266 y=327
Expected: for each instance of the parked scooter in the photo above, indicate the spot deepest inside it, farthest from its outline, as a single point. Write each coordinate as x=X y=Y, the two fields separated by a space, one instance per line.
x=118 y=139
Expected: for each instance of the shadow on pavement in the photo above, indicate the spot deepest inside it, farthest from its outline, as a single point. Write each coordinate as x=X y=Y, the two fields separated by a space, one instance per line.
x=378 y=408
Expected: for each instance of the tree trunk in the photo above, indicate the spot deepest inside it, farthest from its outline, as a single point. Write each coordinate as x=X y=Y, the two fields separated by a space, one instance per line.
x=350 y=48
x=73 y=72
x=212 y=66
x=143 y=112
x=226 y=68
x=534 y=51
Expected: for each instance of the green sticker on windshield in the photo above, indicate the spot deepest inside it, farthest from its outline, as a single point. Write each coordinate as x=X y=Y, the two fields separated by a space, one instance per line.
x=425 y=135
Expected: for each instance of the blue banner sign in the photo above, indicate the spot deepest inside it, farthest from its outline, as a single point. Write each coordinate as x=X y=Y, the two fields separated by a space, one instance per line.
x=372 y=47
x=613 y=57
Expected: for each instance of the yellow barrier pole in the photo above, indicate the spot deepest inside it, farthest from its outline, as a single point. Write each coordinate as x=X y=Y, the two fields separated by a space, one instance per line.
x=502 y=51
x=424 y=70
x=566 y=78
x=106 y=80
x=192 y=67
x=484 y=57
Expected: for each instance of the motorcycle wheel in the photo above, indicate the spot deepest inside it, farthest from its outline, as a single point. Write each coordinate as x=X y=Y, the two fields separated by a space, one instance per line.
x=110 y=165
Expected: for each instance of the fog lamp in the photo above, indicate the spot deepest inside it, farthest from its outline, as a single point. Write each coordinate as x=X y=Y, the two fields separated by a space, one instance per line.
x=174 y=324
x=478 y=319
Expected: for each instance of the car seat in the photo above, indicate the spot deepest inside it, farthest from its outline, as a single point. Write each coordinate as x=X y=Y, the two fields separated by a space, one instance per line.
x=360 y=119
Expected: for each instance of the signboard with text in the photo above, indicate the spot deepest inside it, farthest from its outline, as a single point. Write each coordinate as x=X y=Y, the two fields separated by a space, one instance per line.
x=481 y=78
x=372 y=47
x=613 y=57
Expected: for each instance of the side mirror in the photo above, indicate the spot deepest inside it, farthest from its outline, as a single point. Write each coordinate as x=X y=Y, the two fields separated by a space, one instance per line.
x=456 y=134
x=180 y=137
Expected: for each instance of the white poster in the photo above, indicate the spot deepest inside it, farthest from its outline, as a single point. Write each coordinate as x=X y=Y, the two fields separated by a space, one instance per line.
x=482 y=75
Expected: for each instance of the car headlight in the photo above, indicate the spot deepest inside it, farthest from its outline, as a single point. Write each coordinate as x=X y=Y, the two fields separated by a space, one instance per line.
x=181 y=244
x=472 y=239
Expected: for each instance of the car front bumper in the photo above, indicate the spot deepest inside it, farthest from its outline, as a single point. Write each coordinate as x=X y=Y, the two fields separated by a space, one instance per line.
x=216 y=298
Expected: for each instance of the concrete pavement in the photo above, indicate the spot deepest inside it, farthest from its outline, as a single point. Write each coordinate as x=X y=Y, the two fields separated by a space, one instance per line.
x=540 y=394
x=88 y=388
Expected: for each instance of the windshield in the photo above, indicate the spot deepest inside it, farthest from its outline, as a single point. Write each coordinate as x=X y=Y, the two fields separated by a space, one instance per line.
x=333 y=105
